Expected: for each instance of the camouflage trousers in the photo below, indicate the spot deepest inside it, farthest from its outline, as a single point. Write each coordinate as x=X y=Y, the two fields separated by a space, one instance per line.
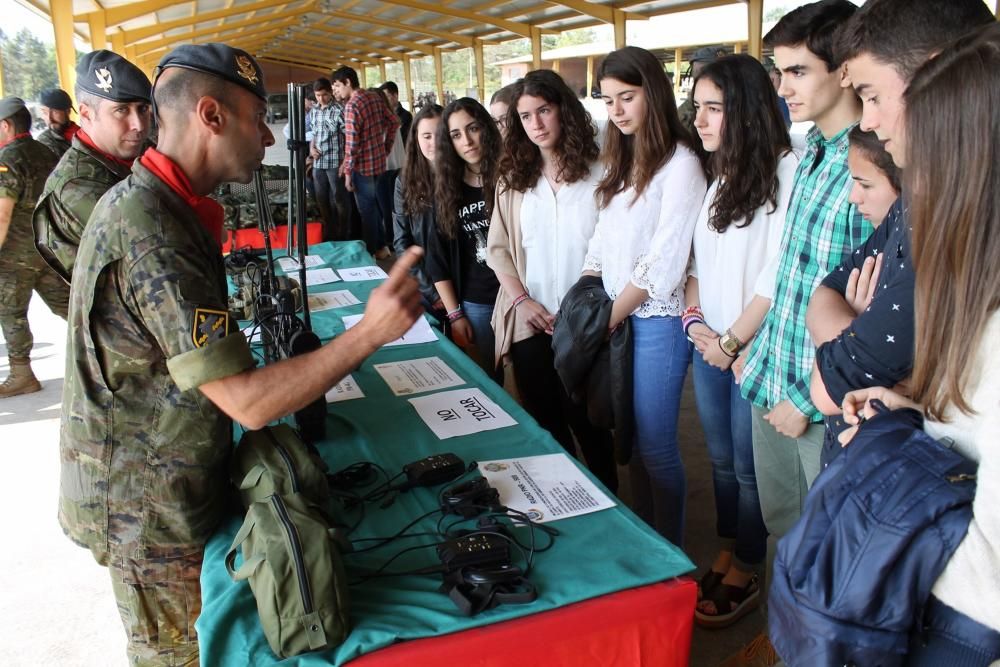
x=16 y=286
x=159 y=600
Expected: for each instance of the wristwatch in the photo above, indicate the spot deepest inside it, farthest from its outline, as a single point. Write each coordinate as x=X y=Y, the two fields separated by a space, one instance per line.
x=730 y=344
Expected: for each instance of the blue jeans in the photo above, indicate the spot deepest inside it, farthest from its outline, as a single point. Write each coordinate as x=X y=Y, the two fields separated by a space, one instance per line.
x=661 y=353
x=331 y=196
x=725 y=419
x=366 y=196
x=480 y=316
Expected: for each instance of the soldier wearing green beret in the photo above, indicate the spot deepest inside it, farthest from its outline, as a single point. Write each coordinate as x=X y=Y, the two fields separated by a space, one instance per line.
x=59 y=129
x=24 y=165
x=160 y=369
x=113 y=95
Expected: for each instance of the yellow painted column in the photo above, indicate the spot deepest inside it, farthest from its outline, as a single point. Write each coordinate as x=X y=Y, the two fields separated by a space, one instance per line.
x=620 y=36
x=755 y=27
x=590 y=74
x=98 y=38
x=62 y=26
x=555 y=66
x=381 y=69
x=118 y=42
x=738 y=47
x=439 y=75
x=477 y=51
x=536 y=48
x=678 y=54
x=408 y=81
x=362 y=75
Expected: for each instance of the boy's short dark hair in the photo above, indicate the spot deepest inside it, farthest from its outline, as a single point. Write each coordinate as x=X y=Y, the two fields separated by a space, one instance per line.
x=814 y=25
x=346 y=74
x=391 y=87
x=905 y=33
x=322 y=83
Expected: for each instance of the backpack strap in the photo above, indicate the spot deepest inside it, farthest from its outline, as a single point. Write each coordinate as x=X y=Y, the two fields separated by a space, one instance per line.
x=249 y=566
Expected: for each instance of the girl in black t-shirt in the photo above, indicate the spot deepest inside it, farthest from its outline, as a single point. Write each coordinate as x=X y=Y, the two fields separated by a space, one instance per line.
x=468 y=148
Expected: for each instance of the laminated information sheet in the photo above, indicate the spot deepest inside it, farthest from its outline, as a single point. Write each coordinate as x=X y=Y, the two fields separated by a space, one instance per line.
x=460 y=412
x=345 y=390
x=414 y=376
x=363 y=273
x=420 y=332
x=546 y=488
x=292 y=263
x=327 y=300
x=321 y=277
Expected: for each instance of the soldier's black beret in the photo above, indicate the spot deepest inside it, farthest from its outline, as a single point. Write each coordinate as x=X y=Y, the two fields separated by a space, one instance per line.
x=56 y=98
x=10 y=106
x=108 y=75
x=233 y=65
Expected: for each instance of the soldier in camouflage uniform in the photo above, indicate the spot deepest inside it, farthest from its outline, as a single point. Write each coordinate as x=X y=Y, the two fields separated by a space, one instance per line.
x=113 y=95
x=60 y=130
x=24 y=166
x=699 y=59
x=159 y=368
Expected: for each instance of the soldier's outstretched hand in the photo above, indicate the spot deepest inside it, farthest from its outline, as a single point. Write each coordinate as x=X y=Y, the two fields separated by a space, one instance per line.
x=394 y=305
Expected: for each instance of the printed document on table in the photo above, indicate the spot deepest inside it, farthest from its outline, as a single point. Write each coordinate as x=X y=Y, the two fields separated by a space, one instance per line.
x=546 y=487
x=363 y=273
x=292 y=263
x=321 y=277
x=460 y=412
x=329 y=300
x=345 y=390
x=420 y=332
x=415 y=376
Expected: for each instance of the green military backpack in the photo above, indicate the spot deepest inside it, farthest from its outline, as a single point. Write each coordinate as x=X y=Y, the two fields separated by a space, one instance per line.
x=274 y=460
x=292 y=561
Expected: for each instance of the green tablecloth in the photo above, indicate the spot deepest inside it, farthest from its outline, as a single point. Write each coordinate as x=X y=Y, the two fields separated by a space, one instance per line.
x=596 y=554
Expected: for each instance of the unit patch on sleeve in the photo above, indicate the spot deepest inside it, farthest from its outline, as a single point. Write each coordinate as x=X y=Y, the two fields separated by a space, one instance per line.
x=209 y=325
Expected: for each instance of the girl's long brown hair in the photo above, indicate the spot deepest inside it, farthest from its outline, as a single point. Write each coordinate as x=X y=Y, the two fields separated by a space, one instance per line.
x=521 y=164
x=634 y=160
x=418 y=174
x=449 y=167
x=952 y=176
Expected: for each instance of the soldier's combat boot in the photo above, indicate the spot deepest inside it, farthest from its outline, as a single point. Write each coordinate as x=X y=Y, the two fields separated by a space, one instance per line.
x=20 y=380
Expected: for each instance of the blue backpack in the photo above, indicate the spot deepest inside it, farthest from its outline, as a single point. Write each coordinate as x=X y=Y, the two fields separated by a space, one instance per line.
x=853 y=575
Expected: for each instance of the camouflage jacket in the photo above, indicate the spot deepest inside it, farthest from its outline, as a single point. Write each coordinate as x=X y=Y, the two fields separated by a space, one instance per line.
x=82 y=177
x=24 y=166
x=54 y=141
x=143 y=453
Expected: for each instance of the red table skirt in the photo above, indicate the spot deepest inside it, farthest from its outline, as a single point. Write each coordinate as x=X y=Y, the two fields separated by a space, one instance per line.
x=650 y=625
x=252 y=237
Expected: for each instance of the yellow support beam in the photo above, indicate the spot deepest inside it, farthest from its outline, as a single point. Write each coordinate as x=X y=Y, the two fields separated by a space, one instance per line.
x=411 y=46
x=296 y=38
x=415 y=28
x=408 y=81
x=62 y=26
x=139 y=34
x=439 y=75
x=678 y=55
x=555 y=66
x=477 y=51
x=98 y=36
x=321 y=53
x=118 y=42
x=321 y=70
x=603 y=13
x=621 y=37
x=132 y=10
x=362 y=75
x=381 y=70
x=536 y=48
x=515 y=27
x=590 y=74
x=154 y=55
x=755 y=27
x=145 y=47
x=738 y=47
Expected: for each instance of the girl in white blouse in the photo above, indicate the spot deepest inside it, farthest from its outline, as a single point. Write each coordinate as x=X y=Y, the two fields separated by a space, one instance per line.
x=729 y=291
x=649 y=199
x=544 y=217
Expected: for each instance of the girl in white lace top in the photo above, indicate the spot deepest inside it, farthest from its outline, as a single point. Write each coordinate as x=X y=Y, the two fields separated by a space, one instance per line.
x=649 y=200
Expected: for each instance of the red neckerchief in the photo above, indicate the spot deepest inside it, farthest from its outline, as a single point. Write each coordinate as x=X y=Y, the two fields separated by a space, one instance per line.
x=15 y=138
x=86 y=140
x=209 y=211
x=70 y=131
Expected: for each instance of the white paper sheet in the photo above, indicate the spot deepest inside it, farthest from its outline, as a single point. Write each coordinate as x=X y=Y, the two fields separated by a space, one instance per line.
x=415 y=376
x=252 y=334
x=460 y=412
x=329 y=300
x=345 y=390
x=292 y=263
x=420 y=332
x=363 y=273
x=546 y=487
x=321 y=277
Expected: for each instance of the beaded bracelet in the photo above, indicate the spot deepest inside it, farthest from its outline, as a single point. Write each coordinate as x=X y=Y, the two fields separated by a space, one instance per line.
x=690 y=321
x=521 y=299
x=455 y=315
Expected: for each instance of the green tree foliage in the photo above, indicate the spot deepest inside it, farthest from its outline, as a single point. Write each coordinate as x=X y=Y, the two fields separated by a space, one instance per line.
x=29 y=65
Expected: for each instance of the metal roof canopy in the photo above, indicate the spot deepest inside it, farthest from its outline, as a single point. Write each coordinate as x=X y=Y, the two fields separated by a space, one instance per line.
x=323 y=34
